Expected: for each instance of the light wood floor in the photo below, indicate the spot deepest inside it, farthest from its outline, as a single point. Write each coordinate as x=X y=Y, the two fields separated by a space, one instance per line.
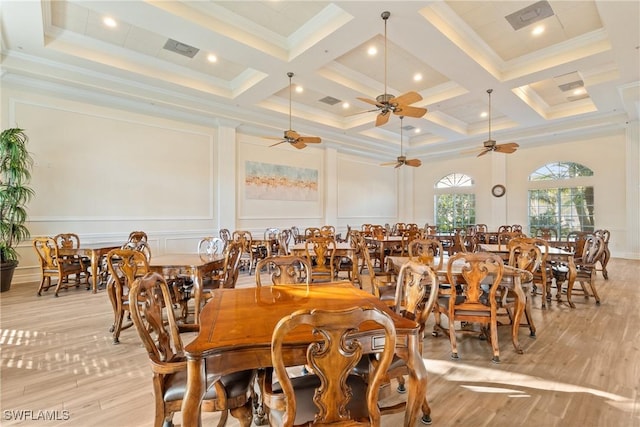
x=583 y=369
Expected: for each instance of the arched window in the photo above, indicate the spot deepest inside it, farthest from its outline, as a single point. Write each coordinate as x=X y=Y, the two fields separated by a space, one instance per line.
x=455 y=204
x=561 y=197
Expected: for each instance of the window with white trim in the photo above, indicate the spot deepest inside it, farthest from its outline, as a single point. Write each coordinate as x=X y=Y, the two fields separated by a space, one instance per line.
x=455 y=203
x=561 y=197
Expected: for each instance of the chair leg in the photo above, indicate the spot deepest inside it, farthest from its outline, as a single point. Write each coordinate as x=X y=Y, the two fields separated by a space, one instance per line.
x=60 y=278
x=41 y=288
x=426 y=413
x=494 y=341
x=224 y=416
x=452 y=339
x=243 y=414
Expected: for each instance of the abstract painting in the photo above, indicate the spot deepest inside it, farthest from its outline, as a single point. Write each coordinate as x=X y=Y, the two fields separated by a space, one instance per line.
x=266 y=181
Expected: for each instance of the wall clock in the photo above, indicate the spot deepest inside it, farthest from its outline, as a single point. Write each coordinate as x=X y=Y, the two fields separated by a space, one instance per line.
x=498 y=190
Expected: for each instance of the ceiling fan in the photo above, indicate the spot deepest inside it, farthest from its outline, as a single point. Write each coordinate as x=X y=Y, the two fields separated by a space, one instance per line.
x=387 y=103
x=291 y=136
x=490 y=144
x=402 y=159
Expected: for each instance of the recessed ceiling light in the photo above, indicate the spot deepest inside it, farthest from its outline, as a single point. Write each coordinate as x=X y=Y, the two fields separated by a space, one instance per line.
x=417 y=77
x=416 y=130
x=345 y=105
x=580 y=91
x=299 y=89
x=212 y=58
x=109 y=22
x=484 y=114
x=537 y=30
x=372 y=51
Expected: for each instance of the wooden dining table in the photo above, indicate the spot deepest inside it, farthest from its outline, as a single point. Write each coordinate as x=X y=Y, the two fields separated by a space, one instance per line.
x=512 y=279
x=94 y=252
x=383 y=243
x=236 y=327
x=193 y=265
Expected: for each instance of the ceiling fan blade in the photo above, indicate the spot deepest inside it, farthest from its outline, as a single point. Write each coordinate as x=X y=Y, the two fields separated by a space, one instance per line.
x=371 y=101
x=406 y=98
x=299 y=144
x=388 y=163
x=309 y=139
x=407 y=110
x=485 y=151
x=361 y=112
x=278 y=143
x=472 y=150
x=271 y=137
x=398 y=165
x=382 y=118
x=413 y=162
x=508 y=148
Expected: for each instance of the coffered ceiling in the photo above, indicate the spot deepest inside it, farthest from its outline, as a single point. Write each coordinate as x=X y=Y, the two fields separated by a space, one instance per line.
x=579 y=76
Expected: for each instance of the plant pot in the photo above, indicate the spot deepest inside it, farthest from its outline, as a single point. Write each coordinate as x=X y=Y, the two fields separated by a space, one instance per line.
x=6 y=274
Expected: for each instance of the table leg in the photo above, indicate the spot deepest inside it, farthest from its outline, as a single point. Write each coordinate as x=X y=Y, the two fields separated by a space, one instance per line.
x=94 y=270
x=196 y=387
x=416 y=397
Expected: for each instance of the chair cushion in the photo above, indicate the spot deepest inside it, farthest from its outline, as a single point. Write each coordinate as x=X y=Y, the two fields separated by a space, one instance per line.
x=236 y=385
x=305 y=386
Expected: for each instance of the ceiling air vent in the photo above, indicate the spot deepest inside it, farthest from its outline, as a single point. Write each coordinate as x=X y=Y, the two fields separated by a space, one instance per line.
x=408 y=127
x=569 y=81
x=181 y=48
x=330 y=100
x=577 y=97
x=529 y=15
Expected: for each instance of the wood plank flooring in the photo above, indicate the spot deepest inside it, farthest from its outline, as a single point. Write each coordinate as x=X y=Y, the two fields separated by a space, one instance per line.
x=582 y=369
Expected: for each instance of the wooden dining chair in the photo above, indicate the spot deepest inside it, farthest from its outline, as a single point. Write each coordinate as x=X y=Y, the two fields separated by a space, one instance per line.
x=382 y=283
x=245 y=240
x=320 y=253
x=546 y=233
x=524 y=254
x=53 y=265
x=124 y=265
x=284 y=241
x=285 y=270
x=328 y=231
x=606 y=254
x=586 y=266
x=416 y=293
x=310 y=232
x=155 y=321
x=225 y=235
x=72 y=241
x=331 y=394
x=470 y=301
x=228 y=276
x=137 y=236
x=210 y=246
x=428 y=251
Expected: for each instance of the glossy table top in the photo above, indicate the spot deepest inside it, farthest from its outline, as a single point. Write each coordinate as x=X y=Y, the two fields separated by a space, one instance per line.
x=246 y=317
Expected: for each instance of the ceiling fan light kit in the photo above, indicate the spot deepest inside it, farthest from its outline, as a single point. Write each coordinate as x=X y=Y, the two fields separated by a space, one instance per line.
x=290 y=135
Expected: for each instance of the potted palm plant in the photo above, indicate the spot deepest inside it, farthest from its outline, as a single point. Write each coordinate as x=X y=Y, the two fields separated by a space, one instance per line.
x=15 y=172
